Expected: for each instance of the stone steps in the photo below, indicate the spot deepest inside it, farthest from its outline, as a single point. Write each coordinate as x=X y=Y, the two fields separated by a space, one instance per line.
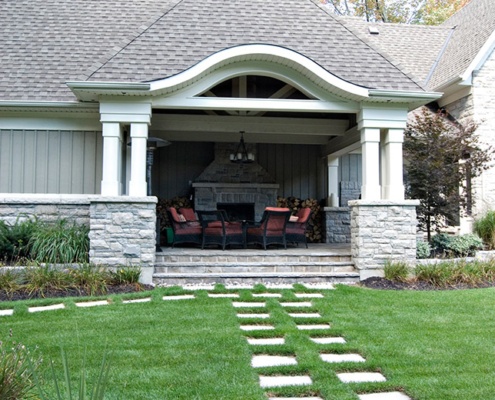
x=178 y=266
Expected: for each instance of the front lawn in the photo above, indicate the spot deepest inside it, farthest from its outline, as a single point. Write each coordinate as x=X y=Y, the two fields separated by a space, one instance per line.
x=432 y=345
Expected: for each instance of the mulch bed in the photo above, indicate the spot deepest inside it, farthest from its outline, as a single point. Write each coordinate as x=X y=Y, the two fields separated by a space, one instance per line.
x=385 y=284
x=111 y=289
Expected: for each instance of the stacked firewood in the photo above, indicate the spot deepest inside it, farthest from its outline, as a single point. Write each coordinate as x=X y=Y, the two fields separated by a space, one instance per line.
x=314 y=231
x=163 y=204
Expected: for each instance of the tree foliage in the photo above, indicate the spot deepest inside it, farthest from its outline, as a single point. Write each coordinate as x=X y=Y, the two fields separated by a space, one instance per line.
x=442 y=156
x=428 y=12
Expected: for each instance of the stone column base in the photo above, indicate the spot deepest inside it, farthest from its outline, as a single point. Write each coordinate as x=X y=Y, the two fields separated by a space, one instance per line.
x=381 y=231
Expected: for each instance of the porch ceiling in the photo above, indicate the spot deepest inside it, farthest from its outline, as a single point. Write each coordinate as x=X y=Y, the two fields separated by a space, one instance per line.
x=215 y=128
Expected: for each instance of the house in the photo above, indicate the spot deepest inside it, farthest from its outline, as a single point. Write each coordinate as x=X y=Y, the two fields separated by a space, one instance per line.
x=87 y=90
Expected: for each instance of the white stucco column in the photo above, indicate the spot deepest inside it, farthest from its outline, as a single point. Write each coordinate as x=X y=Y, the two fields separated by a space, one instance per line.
x=370 y=143
x=333 y=181
x=139 y=136
x=112 y=159
x=393 y=185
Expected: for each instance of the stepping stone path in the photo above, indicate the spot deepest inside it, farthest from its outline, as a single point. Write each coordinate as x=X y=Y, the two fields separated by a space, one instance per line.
x=263 y=361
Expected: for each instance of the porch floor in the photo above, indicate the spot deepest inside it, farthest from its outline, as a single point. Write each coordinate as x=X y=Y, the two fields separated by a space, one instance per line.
x=321 y=262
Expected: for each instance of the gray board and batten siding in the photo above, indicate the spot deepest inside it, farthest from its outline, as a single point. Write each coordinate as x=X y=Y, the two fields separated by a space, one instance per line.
x=41 y=161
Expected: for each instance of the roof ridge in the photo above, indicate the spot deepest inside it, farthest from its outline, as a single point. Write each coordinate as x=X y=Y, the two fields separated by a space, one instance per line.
x=386 y=56
x=131 y=38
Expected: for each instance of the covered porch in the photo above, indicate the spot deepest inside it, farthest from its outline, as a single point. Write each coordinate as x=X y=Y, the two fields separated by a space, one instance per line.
x=288 y=107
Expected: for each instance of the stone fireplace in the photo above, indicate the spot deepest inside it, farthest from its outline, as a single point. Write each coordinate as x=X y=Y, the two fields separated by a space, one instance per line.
x=230 y=183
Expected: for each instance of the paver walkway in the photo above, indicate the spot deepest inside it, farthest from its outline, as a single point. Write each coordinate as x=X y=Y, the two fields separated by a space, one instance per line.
x=261 y=313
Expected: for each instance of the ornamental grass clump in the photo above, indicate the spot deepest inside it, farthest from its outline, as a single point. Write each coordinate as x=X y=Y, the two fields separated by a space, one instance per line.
x=15 y=240
x=18 y=369
x=61 y=243
x=126 y=275
x=43 y=279
x=485 y=228
x=90 y=278
x=397 y=271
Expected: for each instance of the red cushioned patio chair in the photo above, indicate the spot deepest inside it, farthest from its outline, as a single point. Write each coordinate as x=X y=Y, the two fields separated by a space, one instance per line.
x=271 y=229
x=296 y=229
x=184 y=232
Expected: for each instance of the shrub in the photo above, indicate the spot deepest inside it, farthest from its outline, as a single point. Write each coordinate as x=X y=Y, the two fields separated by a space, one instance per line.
x=61 y=243
x=10 y=280
x=423 y=249
x=18 y=367
x=456 y=246
x=15 y=239
x=396 y=271
x=485 y=228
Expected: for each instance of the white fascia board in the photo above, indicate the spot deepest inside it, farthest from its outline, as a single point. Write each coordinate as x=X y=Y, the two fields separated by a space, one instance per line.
x=276 y=54
x=479 y=60
x=400 y=96
x=227 y=103
x=92 y=91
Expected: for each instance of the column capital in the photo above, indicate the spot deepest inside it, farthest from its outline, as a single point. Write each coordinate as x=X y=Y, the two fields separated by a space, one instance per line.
x=370 y=135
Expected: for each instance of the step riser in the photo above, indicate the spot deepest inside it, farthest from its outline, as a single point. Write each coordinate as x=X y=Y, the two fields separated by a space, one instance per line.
x=249 y=259
x=253 y=280
x=252 y=269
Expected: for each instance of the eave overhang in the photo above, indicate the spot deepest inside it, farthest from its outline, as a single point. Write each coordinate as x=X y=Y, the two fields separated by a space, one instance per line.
x=269 y=60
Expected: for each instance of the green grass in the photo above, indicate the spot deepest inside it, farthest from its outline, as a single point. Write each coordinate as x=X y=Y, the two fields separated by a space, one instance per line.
x=433 y=345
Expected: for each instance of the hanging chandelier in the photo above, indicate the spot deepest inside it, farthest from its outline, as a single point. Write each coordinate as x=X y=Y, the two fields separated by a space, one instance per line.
x=241 y=155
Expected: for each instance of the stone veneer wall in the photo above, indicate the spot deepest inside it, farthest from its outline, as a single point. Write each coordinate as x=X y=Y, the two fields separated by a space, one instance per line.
x=337 y=224
x=122 y=229
x=382 y=230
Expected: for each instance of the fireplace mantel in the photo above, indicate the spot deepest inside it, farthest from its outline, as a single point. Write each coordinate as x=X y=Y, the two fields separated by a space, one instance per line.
x=208 y=194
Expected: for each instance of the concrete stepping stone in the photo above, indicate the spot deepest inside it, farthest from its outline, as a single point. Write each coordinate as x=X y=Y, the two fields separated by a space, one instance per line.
x=274 y=381
x=257 y=327
x=358 y=377
x=266 y=342
x=46 y=308
x=92 y=303
x=4 y=313
x=295 y=398
x=338 y=358
x=247 y=304
x=328 y=340
x=304 y=315
x=179 y=297
x=384 y=396
x=313 y=326
x=263 y=316
x=223 y=295
x=297 y=304
x=323 y=286
x=308 y=295
x=272 y=361
x=267 y=295
x=131 y=301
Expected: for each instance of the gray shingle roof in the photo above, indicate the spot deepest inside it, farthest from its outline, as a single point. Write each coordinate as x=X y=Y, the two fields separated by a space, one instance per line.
x=414 y=48
x=45 y=43
x=473 y=25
